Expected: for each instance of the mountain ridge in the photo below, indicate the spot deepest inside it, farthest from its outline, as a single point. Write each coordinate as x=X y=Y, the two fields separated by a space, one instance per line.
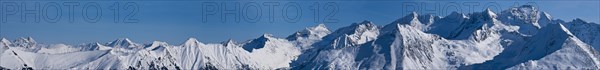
x=518 y=38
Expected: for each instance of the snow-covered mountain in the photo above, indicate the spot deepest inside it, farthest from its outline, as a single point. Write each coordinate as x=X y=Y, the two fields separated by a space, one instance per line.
x=517 y=38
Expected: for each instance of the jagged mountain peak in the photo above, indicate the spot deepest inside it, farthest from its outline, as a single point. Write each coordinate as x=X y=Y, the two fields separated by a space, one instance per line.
x=158 y=43
x=545 y=15
x=319 y=27
x=488 y=13
x=192 y=42
x=453 y=18
x=320 y=30
x=4 y=43
x=365 y=22
x=412 y=17
x=266 y=36
x=528 y=7
x=257 y=43
x=357 y=33
x=97 y=46
x=578 y=20
x=122 y=42
x=545 y=19
x=94 y=44
x=4 y=40
x=526 y=17
x=415 y=20
x=25 y=40
x=229 y=42
x=523 y=9
x=314 y=32
x=297 y=35
x=525 y=13
x=355 y=28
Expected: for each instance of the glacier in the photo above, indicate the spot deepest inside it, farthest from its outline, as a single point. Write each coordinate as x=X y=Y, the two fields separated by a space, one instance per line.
x=518 y=38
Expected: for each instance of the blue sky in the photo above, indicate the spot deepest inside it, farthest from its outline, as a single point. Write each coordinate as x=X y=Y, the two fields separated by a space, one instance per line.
x=176 y=21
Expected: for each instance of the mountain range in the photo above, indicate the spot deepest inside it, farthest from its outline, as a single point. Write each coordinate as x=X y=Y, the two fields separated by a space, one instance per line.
x=517 y=38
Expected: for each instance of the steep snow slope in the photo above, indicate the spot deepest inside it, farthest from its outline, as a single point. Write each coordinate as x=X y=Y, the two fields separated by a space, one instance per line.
x=402 y=45
x=480 y=39
x=350 y=36
x=573 y=55
x=552 y=39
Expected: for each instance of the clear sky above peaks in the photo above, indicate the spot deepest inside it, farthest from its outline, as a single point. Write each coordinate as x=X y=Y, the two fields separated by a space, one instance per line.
x=174 y=21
